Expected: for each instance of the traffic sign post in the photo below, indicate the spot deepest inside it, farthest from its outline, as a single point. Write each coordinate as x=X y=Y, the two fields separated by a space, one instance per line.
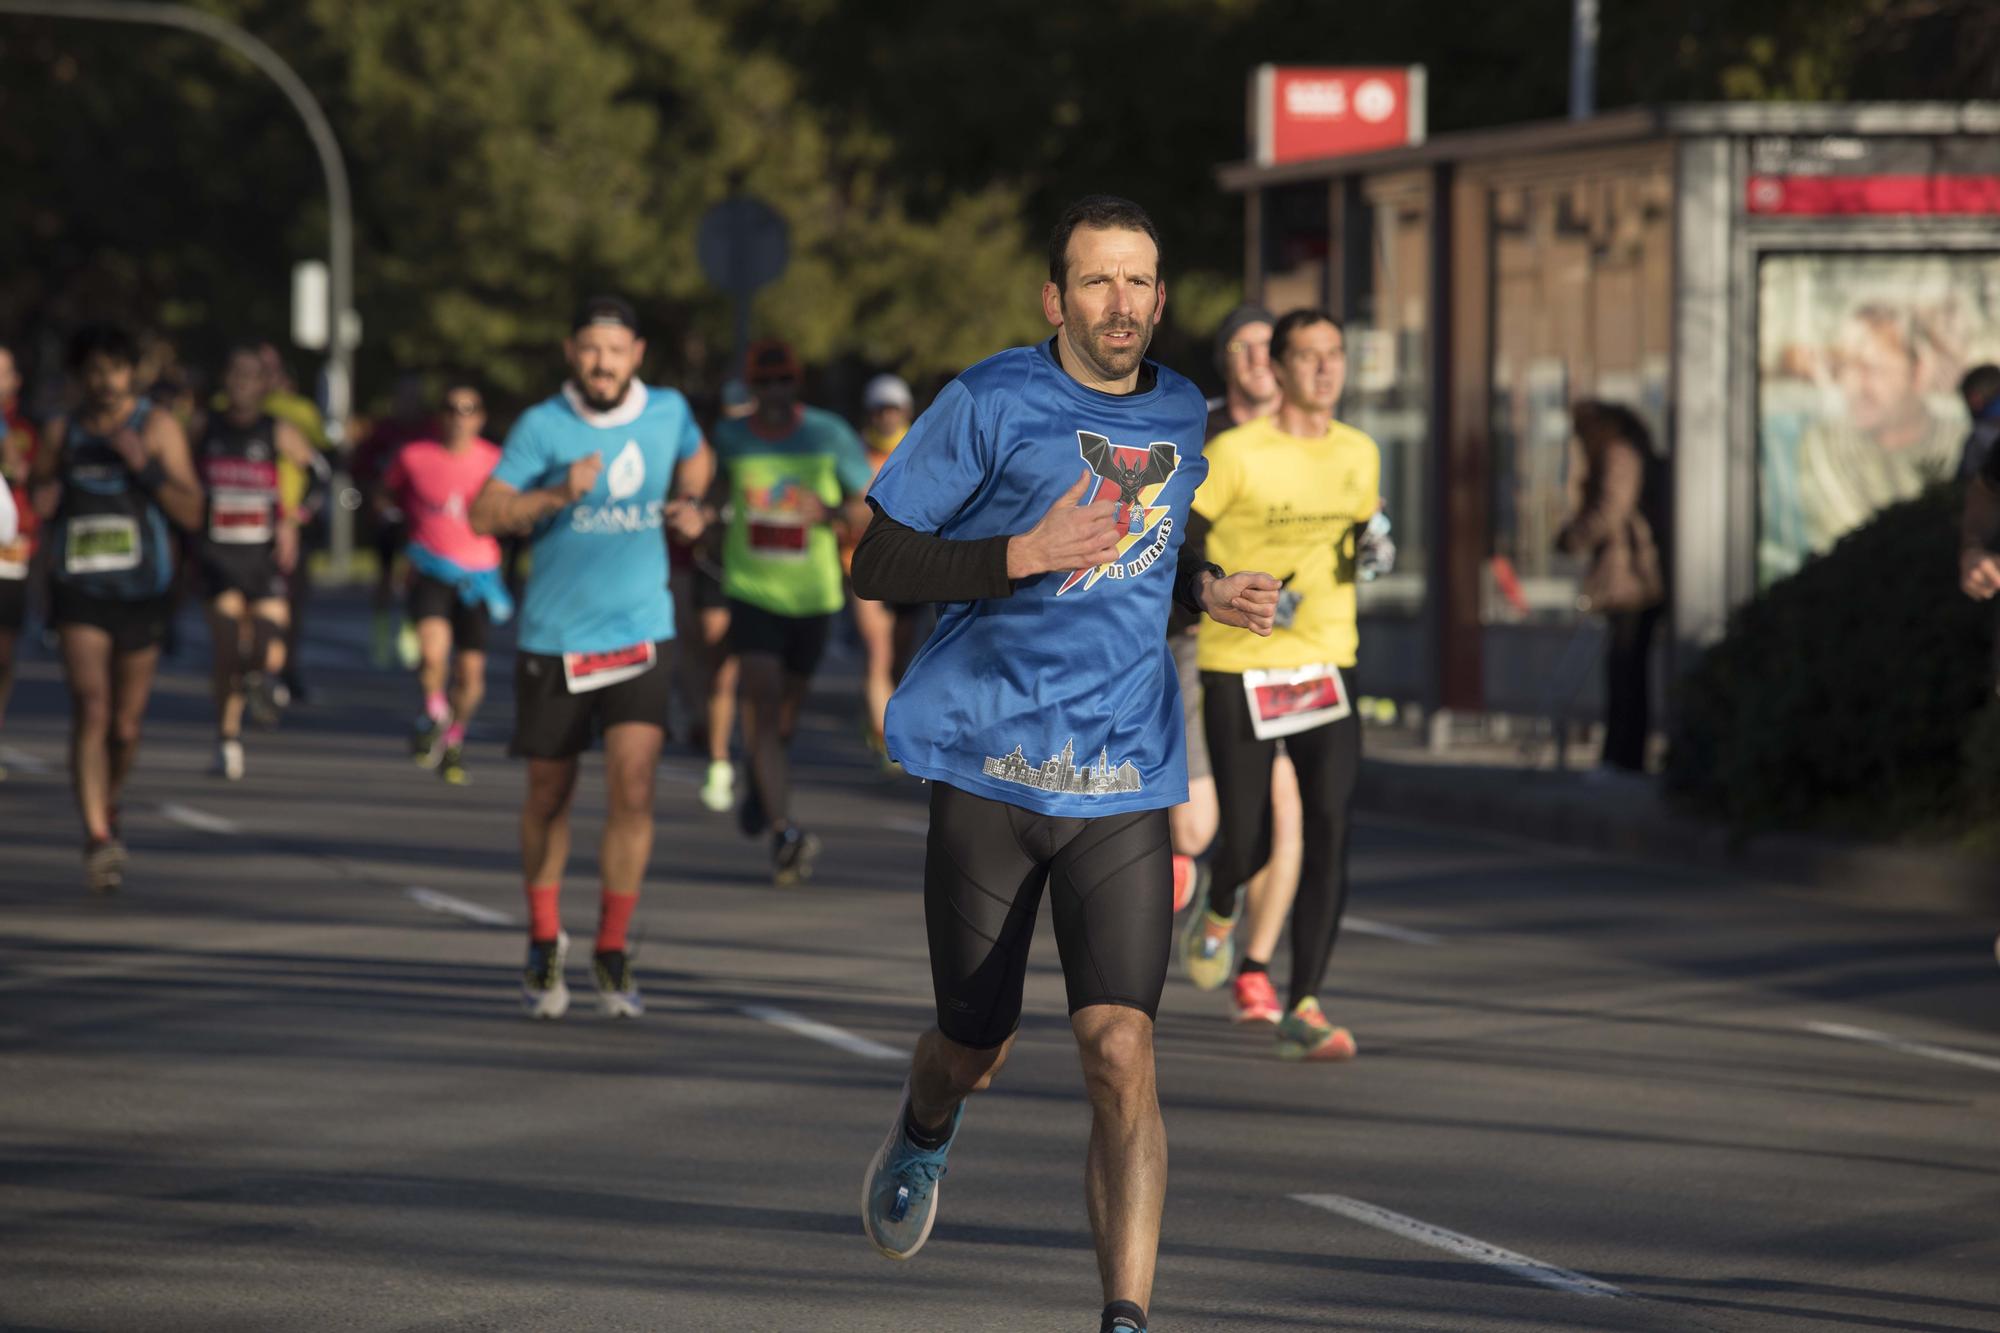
x=742 y=244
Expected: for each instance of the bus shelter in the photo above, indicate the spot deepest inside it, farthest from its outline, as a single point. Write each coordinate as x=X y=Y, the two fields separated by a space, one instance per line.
x=1786 y=294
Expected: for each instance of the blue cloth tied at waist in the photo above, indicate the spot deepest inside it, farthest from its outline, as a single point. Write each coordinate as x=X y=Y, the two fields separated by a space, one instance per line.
x=474 y=586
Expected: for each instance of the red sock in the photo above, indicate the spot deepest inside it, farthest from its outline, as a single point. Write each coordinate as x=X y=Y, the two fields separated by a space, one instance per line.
x=544 y=916
x=614 y=913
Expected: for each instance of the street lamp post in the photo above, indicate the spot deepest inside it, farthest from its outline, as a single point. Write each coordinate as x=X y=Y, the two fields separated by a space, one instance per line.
x=340 y=207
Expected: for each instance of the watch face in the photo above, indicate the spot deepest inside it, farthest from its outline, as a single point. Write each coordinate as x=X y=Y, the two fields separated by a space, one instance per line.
x=1288 y=608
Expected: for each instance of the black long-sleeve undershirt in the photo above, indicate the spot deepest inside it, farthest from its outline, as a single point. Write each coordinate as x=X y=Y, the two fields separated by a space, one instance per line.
x=896 y=563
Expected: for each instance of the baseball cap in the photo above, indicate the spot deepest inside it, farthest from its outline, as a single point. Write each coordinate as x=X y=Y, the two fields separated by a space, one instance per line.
x=887 y=391
x=613 y=311
x=771 y=359
x=1247 y=313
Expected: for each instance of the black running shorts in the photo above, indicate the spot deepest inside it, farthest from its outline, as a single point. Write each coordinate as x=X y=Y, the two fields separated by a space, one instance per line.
x=1111 y=889
x=552 y=723
x=13 y=604
x=250 y=570
x=435 y=599
x=797 y=641
x=134 y=626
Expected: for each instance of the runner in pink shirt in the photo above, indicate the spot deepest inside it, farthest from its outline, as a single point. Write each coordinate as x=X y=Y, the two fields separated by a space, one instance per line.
x=456 y=591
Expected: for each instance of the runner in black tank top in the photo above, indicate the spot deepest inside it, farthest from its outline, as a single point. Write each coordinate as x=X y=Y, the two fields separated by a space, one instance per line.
x=248 y=546
x=115 y=476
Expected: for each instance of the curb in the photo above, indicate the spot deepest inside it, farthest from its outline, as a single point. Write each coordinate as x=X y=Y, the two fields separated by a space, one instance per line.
x=1634 y=824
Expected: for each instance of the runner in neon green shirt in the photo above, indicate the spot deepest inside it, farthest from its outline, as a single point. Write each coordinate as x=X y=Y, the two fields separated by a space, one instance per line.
x=796 y=476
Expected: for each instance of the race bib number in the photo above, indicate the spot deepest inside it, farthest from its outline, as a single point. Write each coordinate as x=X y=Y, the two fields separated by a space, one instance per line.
x=101 y=544
x=778 y=536
x=584 y=672
x=1283 y=703
x=238 y=517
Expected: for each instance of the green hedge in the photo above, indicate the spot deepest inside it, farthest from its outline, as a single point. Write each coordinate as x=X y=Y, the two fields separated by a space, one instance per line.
x=1857 y=694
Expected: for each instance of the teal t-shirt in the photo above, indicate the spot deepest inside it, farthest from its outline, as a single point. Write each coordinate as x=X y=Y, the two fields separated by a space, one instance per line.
x=600 y=573
x=773 y=555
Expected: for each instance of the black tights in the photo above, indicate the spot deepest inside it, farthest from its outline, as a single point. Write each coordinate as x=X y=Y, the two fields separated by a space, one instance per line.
x=1328 y=759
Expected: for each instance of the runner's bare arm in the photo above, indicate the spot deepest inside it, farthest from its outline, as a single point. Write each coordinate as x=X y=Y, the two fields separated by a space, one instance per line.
x=501 y=511
x=44 y=491
x=169 y=471
x=1978 y=567
x=687 y=516
x=297 y=450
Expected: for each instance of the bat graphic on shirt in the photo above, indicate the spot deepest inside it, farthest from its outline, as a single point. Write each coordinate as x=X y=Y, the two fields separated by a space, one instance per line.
x=1102 y=456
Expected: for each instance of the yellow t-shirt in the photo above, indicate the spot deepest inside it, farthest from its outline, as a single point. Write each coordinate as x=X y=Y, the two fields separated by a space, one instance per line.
x=1288 y=506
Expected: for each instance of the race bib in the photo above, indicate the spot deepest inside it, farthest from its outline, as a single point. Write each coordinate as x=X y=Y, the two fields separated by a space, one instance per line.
x=584 y=672
x=238 y=517
x=14 y=559
x=775 y=535
x=101 y=544
x=1283 y=703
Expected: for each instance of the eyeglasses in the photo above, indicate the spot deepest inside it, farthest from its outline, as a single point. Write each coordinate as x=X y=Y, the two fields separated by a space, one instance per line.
x=1243 y=348
x=461 y=408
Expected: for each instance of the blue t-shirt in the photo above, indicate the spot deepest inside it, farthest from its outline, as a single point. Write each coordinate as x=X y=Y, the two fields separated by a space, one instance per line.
x=600 y=574
x=1063 y=697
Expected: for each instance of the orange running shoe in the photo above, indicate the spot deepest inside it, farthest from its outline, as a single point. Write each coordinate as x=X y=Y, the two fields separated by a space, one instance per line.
x=1256 y=999
x=1189 y=877
x=1304 y=1034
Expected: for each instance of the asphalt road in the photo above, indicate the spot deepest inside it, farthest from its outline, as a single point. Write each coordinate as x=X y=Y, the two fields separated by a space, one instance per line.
x=281 y=1082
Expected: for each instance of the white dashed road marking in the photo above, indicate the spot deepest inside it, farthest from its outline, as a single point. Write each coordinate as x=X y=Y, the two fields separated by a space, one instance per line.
x=1465 y=1247
x=826 y=1032
x=1923 y=1048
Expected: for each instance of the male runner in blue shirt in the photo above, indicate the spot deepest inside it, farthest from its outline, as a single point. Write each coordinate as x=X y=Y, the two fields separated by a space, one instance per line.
x=593 y=473
x=1043 y=498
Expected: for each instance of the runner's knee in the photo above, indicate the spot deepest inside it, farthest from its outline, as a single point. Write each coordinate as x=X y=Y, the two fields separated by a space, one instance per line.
x=1117 y=1050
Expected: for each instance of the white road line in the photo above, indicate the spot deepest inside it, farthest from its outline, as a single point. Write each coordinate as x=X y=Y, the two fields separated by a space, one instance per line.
x=15 y=757
x=199 y=819
x=444 y=902
x=1924 y=1048
x=1361 y=925
x=1466 y=1247
x=904 y=824
x=826 y=1032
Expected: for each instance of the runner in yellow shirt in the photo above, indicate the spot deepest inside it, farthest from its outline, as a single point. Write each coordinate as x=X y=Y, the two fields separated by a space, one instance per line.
x=1291 y=493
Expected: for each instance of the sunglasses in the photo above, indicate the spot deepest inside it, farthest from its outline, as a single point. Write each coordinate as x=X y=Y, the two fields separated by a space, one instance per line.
x=461 y=408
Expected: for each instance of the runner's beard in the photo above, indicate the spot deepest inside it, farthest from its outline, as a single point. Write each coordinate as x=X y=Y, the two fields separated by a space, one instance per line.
x=588 y=389
x=1115 y=363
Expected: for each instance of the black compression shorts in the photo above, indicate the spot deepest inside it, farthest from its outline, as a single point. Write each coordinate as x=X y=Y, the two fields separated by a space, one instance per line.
x=434 y=598
x=1111 y=888
x=13 y=604
x=796 y=641
x=251 y=570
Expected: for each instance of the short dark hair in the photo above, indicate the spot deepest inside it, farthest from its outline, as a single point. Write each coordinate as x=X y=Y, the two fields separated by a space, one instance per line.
x=1980 y=386
x=102 y=339
x=1292 y=321
x=1094 y=210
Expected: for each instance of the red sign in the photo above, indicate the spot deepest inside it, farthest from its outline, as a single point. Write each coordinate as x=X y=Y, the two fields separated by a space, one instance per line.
x=1302 y=113
x=1824 y=196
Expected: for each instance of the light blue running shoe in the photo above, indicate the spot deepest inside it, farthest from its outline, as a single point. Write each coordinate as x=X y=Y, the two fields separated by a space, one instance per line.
x=899 y=1195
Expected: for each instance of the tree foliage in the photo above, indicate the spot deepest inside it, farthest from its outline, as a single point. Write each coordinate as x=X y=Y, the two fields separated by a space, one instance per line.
x=510 y=156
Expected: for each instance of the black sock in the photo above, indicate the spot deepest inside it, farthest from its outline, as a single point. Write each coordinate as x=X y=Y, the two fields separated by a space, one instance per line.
x=930 y=1140
x=1249 y=965
x=1123 y=1315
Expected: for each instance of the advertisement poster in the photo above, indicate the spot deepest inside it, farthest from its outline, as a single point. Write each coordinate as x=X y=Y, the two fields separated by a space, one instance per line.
x=1858 y=363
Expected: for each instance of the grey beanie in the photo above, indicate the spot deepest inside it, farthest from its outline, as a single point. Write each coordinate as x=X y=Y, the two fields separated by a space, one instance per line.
x=1247 y=313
